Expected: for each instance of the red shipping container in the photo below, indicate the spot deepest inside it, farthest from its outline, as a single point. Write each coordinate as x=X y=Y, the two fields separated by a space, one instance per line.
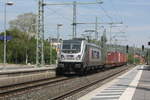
x=112 y=57
x=116 y=58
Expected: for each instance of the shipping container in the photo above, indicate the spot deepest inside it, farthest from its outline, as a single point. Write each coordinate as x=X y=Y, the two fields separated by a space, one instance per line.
x=116 y=58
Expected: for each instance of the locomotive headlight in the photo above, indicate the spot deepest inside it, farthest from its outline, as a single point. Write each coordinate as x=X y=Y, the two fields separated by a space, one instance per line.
x=78 y=57
x=62 y=57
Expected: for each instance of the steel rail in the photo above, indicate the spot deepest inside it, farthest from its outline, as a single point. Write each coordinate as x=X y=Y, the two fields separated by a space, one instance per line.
x=6 y=90
x=74 y=91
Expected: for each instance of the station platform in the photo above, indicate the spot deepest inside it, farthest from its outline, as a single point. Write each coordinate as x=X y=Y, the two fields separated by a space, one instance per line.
x=19 y=66
x=133 y=85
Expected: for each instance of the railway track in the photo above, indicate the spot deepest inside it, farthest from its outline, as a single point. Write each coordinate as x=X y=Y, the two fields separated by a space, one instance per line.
x=80 y=88
x=18 y=88
x=58 y=88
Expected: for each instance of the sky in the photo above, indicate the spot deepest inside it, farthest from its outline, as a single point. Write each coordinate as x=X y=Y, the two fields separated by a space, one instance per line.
x=134 y=14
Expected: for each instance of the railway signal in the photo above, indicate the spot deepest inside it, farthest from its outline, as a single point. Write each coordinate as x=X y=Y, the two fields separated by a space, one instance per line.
x=127 y=49
x=142 y=47
x=148 y=43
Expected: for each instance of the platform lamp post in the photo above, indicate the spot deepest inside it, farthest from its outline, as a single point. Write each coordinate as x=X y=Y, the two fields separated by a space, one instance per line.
x=5 y=35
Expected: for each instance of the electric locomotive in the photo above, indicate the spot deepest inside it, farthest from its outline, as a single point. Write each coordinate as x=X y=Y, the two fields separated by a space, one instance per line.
x=78 y=56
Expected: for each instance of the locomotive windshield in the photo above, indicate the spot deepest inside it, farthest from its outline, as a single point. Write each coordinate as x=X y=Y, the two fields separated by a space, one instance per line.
x=71 y=46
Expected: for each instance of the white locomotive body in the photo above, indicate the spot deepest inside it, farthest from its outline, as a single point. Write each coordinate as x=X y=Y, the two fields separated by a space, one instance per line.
x=78 y=56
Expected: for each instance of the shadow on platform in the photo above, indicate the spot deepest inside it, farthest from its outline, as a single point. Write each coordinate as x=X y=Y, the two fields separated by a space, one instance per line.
x=138 y=87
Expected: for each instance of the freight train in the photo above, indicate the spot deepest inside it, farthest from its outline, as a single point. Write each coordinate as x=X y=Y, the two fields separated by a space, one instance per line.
x=79 y=56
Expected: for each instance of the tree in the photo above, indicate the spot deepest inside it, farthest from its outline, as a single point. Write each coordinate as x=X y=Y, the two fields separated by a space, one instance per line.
x=25 y=23
x=130 y=59
x=16 y=48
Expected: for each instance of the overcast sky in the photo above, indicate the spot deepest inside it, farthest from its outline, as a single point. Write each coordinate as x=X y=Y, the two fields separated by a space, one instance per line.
x=134 y=14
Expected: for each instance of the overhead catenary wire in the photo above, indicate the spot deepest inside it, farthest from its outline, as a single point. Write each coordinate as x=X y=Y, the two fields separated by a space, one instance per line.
x=56 y=12
x=116 y=11
x=106 y=13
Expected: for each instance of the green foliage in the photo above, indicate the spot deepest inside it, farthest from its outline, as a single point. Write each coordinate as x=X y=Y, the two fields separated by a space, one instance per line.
x=95 y=41
x=47 y=54
x=132 y=60
x=148 y=56
x=137 y=61
x=25 y=22
x=23 y=47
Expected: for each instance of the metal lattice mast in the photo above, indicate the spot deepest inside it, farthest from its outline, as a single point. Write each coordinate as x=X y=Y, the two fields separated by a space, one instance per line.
x=40 y=26
x=74 y=32
x=74 y=20
x=40 y=34
x=96 y=25
x=103 y=45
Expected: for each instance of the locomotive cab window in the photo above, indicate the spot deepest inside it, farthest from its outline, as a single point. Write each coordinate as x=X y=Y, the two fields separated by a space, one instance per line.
x=71 y=47
x=76 y=46
x=66 y=46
